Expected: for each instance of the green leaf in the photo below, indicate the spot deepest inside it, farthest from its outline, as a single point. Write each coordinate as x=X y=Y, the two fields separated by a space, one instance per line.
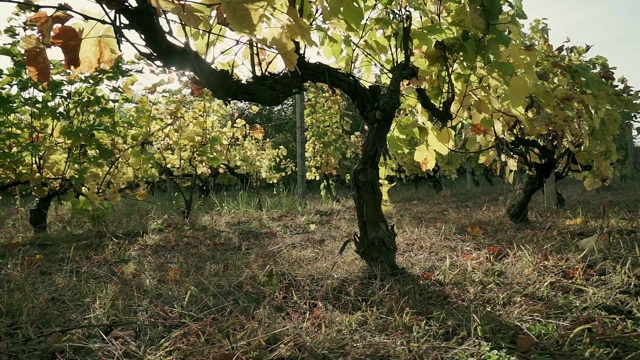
x=352 y=13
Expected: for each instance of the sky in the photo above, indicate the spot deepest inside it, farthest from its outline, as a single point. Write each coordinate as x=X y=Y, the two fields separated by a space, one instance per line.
x=612 y=27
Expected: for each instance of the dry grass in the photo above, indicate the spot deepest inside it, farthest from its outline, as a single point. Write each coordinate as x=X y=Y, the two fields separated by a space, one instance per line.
x=234 y=283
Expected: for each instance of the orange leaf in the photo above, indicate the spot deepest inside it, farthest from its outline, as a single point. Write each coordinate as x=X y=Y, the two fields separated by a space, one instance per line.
x=496 y=252
x=477 y=129
x=174 y=274
x=38 y=66
x=257 y=131
x=197 y=88
x=426 y=276
x=579 y=271
x=467 y=257
x=68 y=39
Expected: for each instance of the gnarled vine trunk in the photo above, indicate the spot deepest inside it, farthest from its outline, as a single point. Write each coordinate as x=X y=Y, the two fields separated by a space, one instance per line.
x=39 y=213
x=376 y=243
x=518 y=210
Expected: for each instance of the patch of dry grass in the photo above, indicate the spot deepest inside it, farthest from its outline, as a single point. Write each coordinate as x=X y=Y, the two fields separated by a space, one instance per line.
x=240 y=284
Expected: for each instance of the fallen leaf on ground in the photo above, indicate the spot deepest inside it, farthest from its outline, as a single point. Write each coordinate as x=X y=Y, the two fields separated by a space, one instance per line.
x=31 y=262
x=524 y=344
x=496 y=252
x=475 y=231
x=174 y=274
x=426 y=276
x=590 y=242
x=129 y=270
x=576 y=221
x=55 y=338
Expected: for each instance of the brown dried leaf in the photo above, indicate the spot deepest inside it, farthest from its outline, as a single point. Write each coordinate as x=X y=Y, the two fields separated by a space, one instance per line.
x=121 y=333
x=44 y=23
x=221 y=17
x=197 y=88
x=38 y=66
x=69 y=40
x=60 y=17
x=55 y=338
x=477 y=129
x=32 y=262
x=525 y=343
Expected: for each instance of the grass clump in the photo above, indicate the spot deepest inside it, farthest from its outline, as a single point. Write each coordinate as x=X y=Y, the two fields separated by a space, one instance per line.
x=238 y=283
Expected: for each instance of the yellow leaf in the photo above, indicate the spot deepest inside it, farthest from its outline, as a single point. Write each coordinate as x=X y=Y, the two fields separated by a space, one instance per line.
x=386 y=200
x=482 y=106
x=518 y=90
x=279 y=40
x=441 y=140
x=475 y=231
x=129 y=270
x=185 y=12
x=299 y=29
x=141 y=194
x=312 y=227
x=577 y=221
x=98 y=49
x=487 y=157
x=244 y=16
x=425 y=157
